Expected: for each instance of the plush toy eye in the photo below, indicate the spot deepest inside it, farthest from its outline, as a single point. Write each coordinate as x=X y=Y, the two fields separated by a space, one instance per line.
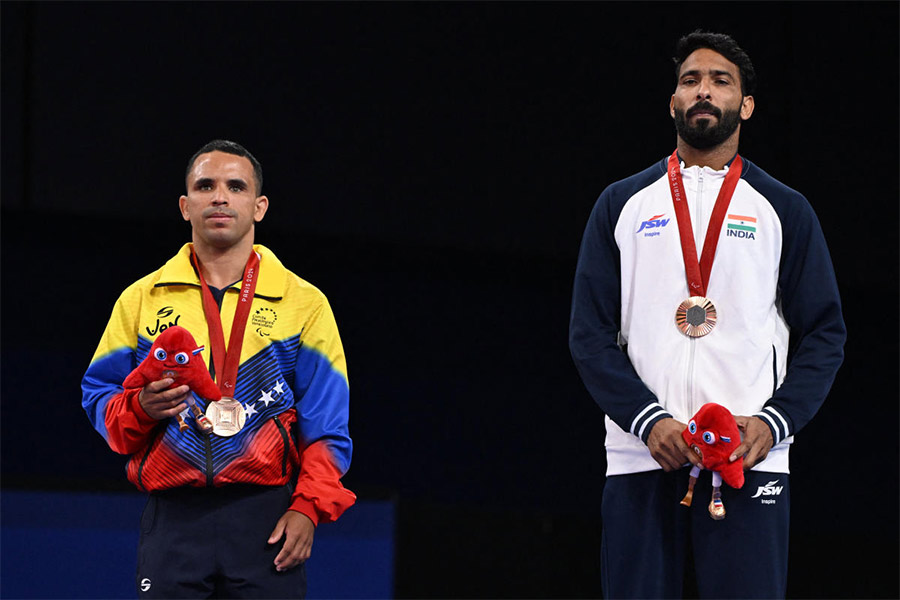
x=692 y=427
x=709 y=437
x=182 y=358
x=160 y=354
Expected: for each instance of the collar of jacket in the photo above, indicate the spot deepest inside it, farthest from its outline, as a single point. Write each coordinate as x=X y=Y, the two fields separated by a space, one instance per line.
x=270 y=285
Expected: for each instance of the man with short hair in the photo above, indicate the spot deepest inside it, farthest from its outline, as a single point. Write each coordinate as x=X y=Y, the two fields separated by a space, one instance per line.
x=231 y=512
x=691 y=279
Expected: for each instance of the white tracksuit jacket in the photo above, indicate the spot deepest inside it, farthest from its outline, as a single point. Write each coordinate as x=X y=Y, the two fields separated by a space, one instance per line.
x=775 y=294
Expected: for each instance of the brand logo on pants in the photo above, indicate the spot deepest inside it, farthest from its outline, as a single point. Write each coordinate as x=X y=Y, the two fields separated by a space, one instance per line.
x=145 y=584
x=770 y=489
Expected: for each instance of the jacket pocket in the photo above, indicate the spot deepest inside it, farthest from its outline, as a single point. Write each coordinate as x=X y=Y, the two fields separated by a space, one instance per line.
x=287 y=445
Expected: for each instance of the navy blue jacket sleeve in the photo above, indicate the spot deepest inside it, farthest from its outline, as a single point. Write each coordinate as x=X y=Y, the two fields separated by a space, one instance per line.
x=811 y=305
x=595 y=321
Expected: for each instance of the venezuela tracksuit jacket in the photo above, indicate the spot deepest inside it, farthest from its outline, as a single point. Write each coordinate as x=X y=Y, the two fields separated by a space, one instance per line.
x=292 y=383
x=772 y=278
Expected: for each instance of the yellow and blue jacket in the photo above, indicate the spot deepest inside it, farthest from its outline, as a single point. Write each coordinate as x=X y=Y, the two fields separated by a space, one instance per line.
x=292 y=384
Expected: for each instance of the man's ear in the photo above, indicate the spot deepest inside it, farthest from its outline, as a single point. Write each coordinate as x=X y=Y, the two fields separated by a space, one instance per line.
x=747 y=106
x=183 y=207
x=672 y=106
x=262 y=205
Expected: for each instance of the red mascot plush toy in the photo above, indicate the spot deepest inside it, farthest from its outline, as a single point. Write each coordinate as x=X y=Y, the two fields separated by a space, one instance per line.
x=713 y=435
x=176 y=355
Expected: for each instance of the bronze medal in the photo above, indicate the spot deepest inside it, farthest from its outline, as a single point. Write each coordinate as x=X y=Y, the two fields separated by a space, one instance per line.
x=227 y=416
x=696 y=316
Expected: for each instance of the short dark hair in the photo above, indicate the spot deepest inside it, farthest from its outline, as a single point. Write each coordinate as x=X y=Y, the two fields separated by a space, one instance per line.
x=229 y=147
x=724 y=45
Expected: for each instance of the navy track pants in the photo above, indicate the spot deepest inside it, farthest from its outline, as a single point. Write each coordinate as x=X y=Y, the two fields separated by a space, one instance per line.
x=647 y=535
x=212 y=543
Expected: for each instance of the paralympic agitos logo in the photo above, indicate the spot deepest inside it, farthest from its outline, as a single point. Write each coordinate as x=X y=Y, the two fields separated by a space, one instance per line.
x=656 y=221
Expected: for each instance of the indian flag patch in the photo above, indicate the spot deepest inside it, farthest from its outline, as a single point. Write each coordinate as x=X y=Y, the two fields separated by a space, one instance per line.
x=742 y=223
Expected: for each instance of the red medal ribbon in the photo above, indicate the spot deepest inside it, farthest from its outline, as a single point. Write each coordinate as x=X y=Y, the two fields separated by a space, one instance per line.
x=698 y=272
x=226 y=362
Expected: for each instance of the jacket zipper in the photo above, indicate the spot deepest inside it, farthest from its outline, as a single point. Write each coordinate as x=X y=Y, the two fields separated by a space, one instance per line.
x=690 y=378
x=699 y=235
x=287 y=444
x=698 y=218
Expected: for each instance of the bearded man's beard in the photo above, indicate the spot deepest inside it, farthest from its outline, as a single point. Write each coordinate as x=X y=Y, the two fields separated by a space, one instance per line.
x=702 y=136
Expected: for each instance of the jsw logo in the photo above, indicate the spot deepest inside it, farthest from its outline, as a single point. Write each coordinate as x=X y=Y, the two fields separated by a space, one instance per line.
x=770 y=489
x=654 y=222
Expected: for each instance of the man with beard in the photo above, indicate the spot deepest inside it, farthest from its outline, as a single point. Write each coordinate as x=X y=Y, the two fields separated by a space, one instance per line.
x=694 y=278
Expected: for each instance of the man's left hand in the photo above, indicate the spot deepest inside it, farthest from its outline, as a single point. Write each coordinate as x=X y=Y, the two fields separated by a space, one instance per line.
x=297 y=530
x=757 y=441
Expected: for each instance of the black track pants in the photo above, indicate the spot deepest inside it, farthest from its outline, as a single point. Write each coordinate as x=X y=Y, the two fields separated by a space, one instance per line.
x=211 y=543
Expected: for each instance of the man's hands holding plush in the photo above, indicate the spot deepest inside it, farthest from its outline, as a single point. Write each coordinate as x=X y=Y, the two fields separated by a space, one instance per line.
x=161 y=403
x=667 y=447
x=757 y=441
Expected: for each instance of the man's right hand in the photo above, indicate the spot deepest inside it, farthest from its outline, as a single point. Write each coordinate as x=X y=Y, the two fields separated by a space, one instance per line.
x=161 y=403
x=667 y=447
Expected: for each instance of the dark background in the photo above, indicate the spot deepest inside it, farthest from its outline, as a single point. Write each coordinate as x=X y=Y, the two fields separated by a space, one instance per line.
x=431 y=168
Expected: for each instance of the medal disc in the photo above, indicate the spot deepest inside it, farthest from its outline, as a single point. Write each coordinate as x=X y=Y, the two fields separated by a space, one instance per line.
x=696 y=316
x=227 y=416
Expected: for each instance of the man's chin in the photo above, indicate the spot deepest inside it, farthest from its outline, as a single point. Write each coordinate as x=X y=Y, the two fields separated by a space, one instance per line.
x=220 y=240
x=704 y=138
x=704 y=131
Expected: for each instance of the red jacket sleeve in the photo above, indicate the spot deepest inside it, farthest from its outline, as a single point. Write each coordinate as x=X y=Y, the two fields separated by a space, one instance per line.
x=319 y=493
x=128 y=426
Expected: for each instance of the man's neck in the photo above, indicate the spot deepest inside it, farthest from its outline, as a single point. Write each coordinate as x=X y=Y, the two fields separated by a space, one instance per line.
x=223 y=267
x=715 y=158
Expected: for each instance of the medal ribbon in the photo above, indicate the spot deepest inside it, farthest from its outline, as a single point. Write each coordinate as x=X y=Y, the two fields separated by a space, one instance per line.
x=698 y=272
x=226 y=362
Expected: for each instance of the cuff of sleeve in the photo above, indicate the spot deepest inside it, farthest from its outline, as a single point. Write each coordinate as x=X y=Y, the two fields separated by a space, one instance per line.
x=777 y=421
x=646 y=418
x=304 y=506
x=133 y=402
